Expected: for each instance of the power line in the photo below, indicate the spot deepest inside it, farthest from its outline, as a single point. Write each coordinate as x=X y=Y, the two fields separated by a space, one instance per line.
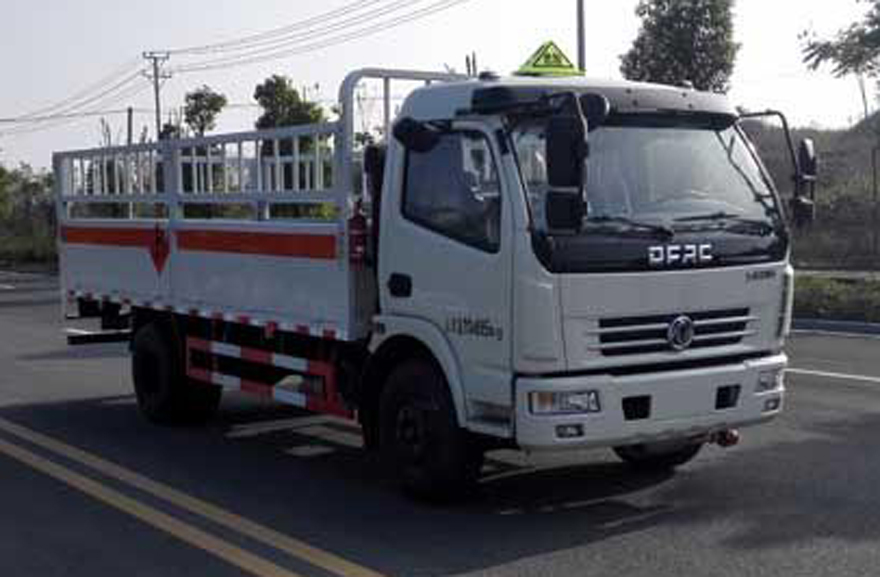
x=256 y=50
x=119 y=86
x=355 y=21
x=246 y=40
x=344 y=24
x=39 y=119
x=108 y=102
x=74 y=100
x=105 y=99
x=335 y=40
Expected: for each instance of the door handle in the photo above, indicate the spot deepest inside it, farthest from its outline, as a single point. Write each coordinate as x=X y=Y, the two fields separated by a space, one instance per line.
x=400 y=285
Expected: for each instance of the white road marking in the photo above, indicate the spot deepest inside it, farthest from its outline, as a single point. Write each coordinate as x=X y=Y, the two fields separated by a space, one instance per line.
x=307 y=451
x=335 y=436
x=839 y=376
x=77 y=332
x=119 y=402
x=837 y=334
x=6 y=287
x=265 y=427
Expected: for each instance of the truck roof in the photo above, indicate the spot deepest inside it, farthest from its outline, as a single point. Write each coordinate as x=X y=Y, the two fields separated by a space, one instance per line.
x=446 y=100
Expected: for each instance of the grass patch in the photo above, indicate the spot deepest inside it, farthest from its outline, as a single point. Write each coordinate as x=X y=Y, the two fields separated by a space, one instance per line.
x=837 y=299
x=22 y=250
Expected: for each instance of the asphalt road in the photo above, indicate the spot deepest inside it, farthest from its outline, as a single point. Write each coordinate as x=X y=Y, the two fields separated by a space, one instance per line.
x=88 y=488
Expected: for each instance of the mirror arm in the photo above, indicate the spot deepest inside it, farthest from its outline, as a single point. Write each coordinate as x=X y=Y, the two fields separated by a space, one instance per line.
x=798 y=176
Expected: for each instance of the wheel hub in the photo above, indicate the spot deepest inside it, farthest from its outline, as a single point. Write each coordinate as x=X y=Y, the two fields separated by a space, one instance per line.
x=410 y=430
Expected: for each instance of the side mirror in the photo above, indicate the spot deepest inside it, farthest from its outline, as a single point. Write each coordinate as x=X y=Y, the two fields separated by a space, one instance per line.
x=807 y=159
x=564 y=211
x=803 y=206
x=566 y=151
x=803 y=211
x=416 y=136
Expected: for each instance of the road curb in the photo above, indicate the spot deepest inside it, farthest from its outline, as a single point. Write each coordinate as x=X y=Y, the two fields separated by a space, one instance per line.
x=851 y=327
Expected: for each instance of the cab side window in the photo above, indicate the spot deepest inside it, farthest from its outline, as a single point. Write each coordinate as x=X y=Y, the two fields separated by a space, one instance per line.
x=454 y=190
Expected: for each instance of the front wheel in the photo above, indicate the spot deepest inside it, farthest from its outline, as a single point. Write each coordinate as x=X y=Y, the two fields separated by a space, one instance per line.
x=659 y=456
x=420 y=437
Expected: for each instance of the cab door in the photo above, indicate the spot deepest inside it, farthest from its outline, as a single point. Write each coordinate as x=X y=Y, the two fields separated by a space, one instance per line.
x=445 y=254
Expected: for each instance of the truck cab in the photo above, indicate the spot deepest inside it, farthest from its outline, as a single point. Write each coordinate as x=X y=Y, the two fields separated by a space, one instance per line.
x=635 y=295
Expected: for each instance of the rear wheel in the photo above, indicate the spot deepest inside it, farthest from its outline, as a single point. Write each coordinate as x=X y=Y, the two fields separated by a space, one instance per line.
x=431 y=455
x=164 y=394
x=659 y=456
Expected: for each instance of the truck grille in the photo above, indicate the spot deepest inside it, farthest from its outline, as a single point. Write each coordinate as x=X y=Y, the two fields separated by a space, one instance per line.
x=648 y=334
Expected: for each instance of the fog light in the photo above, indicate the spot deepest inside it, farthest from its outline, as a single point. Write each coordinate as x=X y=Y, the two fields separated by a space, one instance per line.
x=770 y=381
x=555 y=403
x=772 y=405
x=569 y=431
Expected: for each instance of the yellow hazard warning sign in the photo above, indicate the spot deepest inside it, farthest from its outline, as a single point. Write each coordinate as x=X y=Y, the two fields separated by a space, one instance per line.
x=549 y=60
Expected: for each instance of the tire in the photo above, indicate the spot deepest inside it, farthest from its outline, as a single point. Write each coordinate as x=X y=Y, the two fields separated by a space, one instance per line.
x=660 y=456
x=164 y=394
x=421 y=442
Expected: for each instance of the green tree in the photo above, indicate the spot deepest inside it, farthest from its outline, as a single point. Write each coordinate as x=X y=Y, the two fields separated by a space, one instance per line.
x=170 y=131
x=201 y=109
x=683 y=41
x=5 y=202
x=283 y=106
x=853 y=50
x=27 y=214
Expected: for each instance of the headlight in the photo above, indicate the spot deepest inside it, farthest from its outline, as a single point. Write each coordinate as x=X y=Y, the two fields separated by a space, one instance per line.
x=546 y=403
x=770 y=381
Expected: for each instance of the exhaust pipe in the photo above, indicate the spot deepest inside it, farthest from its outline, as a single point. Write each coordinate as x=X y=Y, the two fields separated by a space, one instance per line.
x=726 y=439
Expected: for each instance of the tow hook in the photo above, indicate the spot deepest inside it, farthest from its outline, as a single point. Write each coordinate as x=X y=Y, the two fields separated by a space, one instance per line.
x=726 y=439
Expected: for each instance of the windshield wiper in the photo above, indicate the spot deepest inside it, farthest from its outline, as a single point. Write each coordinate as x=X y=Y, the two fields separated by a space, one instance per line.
x=765 y=227
x=656 y=229
x=720 y=215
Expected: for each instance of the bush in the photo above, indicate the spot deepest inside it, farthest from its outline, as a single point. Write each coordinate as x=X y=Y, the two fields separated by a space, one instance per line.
x=27 y=216
x=837 y=299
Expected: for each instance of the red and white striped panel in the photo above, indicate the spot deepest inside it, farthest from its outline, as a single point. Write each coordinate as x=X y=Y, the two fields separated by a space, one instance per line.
x=321 y=331
x=330 y=403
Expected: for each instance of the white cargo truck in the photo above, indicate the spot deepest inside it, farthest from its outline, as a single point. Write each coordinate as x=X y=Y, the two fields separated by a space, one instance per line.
x=535 y=263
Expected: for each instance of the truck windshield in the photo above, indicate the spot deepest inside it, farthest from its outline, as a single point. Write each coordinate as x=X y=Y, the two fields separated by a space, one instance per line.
x=655 y=181
x=659 y=174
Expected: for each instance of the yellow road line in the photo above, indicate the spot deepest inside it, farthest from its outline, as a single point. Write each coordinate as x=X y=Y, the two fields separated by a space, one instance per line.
x=313 y=555
x=183 y=531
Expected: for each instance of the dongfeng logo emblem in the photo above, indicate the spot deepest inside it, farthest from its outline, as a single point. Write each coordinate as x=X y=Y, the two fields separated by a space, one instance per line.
x=680 y=255
x=680 y=333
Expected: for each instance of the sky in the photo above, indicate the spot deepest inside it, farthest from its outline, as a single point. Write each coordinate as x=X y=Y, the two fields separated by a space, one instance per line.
x=53 y=49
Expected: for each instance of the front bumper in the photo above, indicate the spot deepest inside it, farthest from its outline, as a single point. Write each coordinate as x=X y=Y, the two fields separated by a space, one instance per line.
x=680 y=404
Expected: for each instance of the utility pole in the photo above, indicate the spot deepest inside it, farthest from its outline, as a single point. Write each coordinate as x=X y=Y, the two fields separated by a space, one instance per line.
x=157 y=76
x=130 y=126
x=582 y=41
